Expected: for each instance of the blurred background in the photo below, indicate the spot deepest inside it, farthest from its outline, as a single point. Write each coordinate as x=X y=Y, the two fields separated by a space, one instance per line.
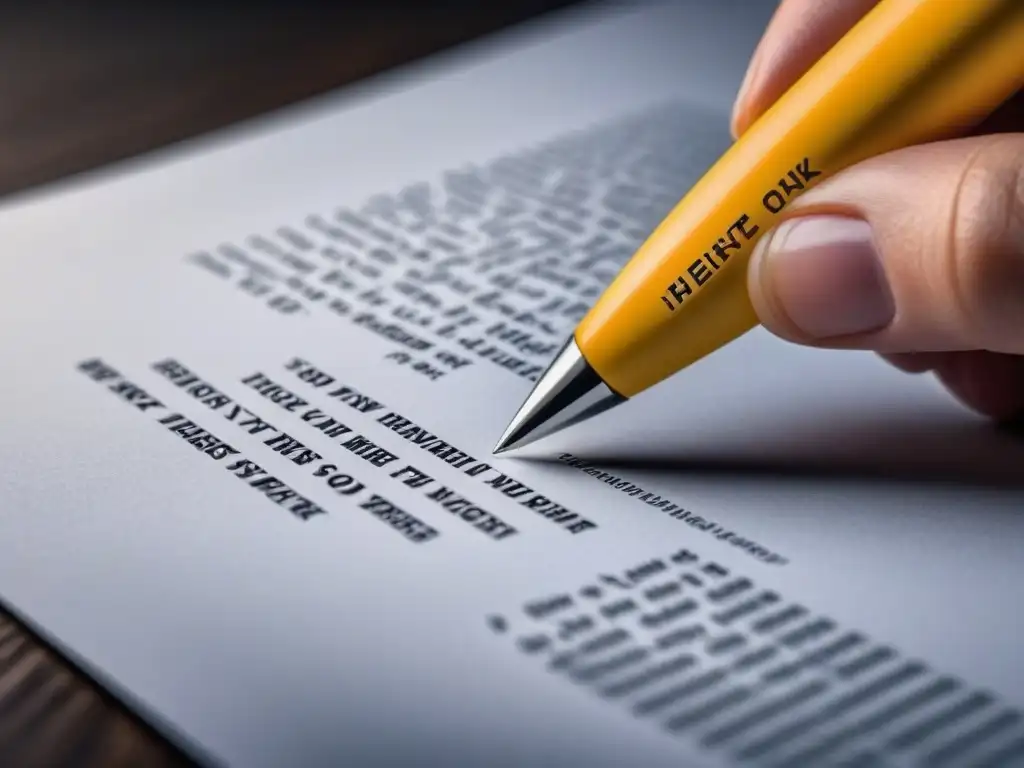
x=87 y=82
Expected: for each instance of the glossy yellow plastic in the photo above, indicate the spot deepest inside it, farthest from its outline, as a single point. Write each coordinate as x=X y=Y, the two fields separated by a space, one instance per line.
x=911 y=71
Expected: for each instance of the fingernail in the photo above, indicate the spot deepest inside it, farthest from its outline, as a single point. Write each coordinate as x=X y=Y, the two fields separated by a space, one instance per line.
x=823 y=276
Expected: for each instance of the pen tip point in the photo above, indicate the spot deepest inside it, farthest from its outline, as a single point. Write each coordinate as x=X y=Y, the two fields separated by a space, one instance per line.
x=568 y=392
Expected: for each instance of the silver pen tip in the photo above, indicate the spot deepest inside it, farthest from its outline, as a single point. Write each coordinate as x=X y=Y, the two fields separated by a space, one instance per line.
x=569 y=392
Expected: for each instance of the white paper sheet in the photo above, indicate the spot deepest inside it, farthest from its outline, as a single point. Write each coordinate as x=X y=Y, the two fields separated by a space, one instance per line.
x=782 y=553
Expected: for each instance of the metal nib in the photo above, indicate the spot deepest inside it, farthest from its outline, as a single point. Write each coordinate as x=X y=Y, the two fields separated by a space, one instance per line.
x=569 y=392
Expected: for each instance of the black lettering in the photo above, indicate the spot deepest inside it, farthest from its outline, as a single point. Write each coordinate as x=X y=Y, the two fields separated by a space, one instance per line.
x=203 y=440
x=346 y=485
x=98 y=370
x=355 y=399
x=267 y=484
x=443 y=451
x=255 y=424
x=307 y=456
x=183 y=378
x=170 y=368
x=394 y=421
x=304 y=509
x=309 y=374
x=333 y=428
x=804 y=169
x=292 y=449
x=408 y=525
x=484 y=521
x=135 y=395
x=369 y=451
x=279 y=492
x=199 y=438
x=542 y=504
x=723 y=246
x=274 y=392
x=328 y=426
x=509 y=487
x=281 y=495
x=700 y=273
x=199 y=391
x=188 y=429
x=580 y=526
x=415 y=479
x=789 y=187
x=221 y=451
x=449 y=453
x=554 y=512
x=774 y=201
x=217 y=401
x=680 y=289
x=741 y=225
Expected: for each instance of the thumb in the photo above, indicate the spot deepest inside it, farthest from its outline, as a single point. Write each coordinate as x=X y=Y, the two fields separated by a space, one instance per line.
x=917 y=250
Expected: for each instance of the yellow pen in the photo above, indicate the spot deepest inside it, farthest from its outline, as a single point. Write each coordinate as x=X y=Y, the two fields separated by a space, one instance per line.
x=909 y=72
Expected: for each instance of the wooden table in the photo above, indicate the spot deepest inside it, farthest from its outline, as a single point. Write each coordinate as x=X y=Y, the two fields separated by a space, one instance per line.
x=85 y=84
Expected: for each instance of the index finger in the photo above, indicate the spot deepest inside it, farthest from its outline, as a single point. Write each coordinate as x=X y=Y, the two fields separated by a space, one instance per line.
x=800 y=32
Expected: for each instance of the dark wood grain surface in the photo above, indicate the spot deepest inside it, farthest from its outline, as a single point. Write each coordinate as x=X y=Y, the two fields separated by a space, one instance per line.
x=83 y=84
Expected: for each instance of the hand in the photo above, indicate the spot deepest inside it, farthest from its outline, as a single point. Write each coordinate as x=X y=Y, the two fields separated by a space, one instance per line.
x=917 y=254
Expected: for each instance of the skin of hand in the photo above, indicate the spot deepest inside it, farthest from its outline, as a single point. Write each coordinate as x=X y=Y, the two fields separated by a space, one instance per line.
x=917 y=254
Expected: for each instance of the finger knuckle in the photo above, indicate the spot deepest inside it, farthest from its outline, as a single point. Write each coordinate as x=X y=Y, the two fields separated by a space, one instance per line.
x=986 y=244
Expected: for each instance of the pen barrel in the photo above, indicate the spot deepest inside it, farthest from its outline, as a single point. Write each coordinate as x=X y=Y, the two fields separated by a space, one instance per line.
x=910 y=72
